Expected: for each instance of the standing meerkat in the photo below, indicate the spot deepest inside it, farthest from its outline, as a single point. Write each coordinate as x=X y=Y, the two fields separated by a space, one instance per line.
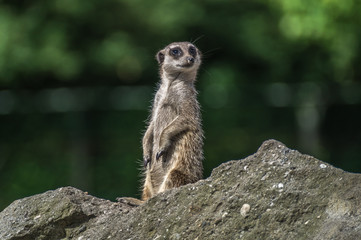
x=173 y=142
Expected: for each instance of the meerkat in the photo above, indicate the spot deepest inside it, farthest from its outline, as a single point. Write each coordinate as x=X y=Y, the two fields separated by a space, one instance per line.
x=173 y=141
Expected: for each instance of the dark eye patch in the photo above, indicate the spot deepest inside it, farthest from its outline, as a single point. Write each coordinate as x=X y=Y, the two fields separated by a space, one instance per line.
x=176 y=52
x=192 y=51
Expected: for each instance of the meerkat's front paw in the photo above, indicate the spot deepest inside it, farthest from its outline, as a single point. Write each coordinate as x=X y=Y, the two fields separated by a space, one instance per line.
x=159 y=154
x=163 y=148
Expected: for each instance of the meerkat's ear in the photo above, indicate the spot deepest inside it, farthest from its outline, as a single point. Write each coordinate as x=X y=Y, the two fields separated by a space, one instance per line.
x=160 y=56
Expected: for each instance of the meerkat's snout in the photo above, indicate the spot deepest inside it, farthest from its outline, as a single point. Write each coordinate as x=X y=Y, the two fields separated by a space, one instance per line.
x=190 y=60
x=187 y=61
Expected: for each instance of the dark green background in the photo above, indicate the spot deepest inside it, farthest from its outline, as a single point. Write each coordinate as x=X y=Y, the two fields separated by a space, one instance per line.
x=77 y=78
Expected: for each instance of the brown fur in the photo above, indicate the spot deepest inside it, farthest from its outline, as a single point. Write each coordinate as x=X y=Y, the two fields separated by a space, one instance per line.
x=173 y=142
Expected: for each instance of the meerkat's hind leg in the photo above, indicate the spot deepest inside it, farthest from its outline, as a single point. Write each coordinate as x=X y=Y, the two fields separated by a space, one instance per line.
x=174 y=178
x=147 y=188
x=146 y=193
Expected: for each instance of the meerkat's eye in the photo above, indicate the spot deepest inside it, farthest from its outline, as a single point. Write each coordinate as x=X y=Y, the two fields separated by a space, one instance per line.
x=175 y=51
x=192 y=51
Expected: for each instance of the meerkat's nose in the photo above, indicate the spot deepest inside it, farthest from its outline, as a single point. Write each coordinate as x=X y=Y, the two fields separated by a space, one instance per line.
x=190 y=59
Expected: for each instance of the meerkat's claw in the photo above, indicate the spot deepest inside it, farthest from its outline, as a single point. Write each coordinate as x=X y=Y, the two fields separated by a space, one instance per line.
x=159 y=154
x=146 y=161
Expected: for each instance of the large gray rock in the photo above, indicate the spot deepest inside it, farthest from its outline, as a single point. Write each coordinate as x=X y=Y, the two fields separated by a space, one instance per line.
x=277 y=193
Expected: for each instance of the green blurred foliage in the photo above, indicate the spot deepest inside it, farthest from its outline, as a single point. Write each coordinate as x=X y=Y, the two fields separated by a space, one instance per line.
x=77 y=79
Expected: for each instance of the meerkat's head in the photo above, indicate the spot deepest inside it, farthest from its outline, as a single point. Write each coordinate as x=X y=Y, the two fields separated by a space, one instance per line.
x=179 y=57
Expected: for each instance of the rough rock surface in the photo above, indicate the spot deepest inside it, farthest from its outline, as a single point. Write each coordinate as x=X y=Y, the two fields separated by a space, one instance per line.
x=276 y=193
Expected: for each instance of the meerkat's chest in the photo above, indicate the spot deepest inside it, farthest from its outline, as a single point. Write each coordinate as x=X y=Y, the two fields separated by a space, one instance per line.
x=167 y=107
x=167 y=103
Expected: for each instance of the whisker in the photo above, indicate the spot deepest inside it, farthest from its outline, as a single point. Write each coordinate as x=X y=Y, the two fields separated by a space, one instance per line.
x=198 y=38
